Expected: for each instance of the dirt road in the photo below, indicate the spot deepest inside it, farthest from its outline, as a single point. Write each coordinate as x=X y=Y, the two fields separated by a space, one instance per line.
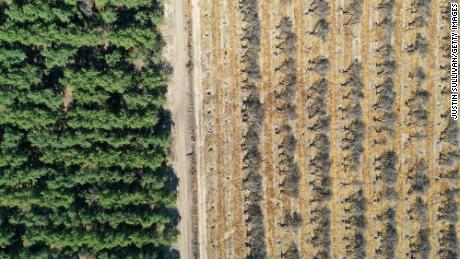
x=180 y=106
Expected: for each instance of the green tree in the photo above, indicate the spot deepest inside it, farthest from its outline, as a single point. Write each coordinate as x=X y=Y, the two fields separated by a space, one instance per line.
x=83 y=135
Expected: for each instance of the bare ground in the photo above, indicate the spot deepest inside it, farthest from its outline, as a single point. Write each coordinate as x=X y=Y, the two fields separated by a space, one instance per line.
x=180 y=104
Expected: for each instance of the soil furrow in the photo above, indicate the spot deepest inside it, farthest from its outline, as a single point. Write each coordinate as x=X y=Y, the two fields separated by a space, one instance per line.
x=433 y=189
x=398 y=54
x=218 y=85
x=299 y=25
x=230 y=160
x=238 y=225
x=269 y=203
x=212 y=141
x=334 y=51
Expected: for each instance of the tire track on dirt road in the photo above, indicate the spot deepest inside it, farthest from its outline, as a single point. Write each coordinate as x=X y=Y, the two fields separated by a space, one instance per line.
x=180 y=103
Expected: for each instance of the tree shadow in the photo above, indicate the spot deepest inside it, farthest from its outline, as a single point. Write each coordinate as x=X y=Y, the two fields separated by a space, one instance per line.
x=169 y=253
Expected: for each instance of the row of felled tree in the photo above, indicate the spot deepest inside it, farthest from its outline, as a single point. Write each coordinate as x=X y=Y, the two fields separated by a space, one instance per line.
x=318 y=121
x=252 y=113
x=83 y=136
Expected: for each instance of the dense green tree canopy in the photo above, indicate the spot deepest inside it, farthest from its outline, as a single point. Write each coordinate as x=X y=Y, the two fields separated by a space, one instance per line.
x=83 y=135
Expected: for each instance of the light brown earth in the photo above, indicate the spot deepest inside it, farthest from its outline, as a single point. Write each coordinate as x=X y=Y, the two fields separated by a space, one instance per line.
x=180 y=103
x=322 y=130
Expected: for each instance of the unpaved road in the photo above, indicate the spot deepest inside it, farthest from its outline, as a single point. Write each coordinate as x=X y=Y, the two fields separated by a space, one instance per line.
x=179 y=104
